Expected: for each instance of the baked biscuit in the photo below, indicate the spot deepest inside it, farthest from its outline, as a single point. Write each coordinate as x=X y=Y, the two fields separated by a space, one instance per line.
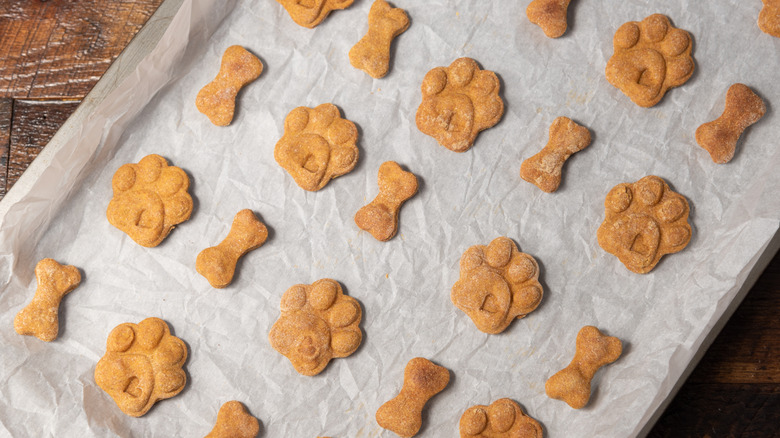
x=544 y=169
x=310 y=13
x=769 y=18
x=217 y=100
x=380 y=217
x=550 y=15
x=372 y=53
x=41 y=317
x=233 y=421
x=502 y=419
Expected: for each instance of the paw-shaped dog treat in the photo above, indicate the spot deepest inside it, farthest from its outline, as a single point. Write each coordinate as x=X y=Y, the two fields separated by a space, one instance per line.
x=143 y=364
x=644 y=221
x=317 y=146
x=769 y=18
x=422 y=380
x=458 y=102
x=372 y=53
x=318 y=323
x=218 y=263
x=380 y=217
x=544 y=168
x=594 y=350
x=550 y=15
x=40 y=318
x=650 y=58
x=233 y=421
x=310 y=13
x=217 y=99
x=150 y=198
x=497 y=284
x=719 y=137
x=502 y=419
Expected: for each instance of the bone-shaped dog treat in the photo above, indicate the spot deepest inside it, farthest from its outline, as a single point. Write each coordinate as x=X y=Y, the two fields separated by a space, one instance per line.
x=769 y=18
x=594 y=350
x=40 y=317
x=544 y=168
x=380 y=217
x=233 y=421
x=422 y=380
x=218 y=263
x=310 y=13
x=372 y=53
x=719 y=137
x=550 y=15
x=217 y=99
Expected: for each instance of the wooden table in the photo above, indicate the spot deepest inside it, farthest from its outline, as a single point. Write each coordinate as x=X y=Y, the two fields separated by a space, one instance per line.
x=53 y=52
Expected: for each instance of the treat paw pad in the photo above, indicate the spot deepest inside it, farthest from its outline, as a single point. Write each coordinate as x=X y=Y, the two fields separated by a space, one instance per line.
x=502 y=419
x=594 y=350
x=150 y=198
x=40 y=318
x=769 y=18
x=380 y=217
x=143 y=364
x=458 y=102
x=317 y=146
x=650 y=57
x=217 y=99
x=318 y=323
x=372 y=53
x=310 y=13
x=233 y=421
x=644 y=221
x=544 y=169
x=550 y=15
x=497 y=284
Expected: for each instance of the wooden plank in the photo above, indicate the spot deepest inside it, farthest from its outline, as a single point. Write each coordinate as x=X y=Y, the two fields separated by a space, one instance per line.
x=5 y=137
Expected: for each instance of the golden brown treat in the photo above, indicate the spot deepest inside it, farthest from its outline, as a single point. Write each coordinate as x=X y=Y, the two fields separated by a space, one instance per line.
x=233 y=421
x=497 y=285
x=644 y=221
x=218 y=263
x=719 y=137
x=550 y=15
x=217 y=99
x=422 y=380
x=310 y=13
x=40 y=318
x=318 y=323
x=769 y=18
x=458 y=102
x=372 y=53
x=650 y=57
x=380 y=217
x=594 y=350
x=544 y=168
x=142 y=365
x=150 y=199
x=502 y=419
x=317 y=146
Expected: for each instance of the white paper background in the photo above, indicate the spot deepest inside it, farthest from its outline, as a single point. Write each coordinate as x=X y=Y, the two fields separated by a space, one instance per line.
x=403 y=285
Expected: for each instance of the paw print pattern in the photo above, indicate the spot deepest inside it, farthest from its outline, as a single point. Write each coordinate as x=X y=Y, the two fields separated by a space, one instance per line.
x=650 y=57
x=143 y=364
x=150 y=198
x=458 y=102
x=317 y=146
x=318 y=323
x=502 y=419
x=497 y=284
x=310 y=13
x=644 y=221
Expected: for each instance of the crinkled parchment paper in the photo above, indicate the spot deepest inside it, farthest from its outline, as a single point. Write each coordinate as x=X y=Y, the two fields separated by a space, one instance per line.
x=403 y=285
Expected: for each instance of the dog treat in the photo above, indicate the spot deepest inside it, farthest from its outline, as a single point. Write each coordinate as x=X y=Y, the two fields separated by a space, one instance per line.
x=40 y=318
x=218 y=263
x=644 y=221
x=650 y=57
x=769 y=18
x=719 y=137
x=150 y=198
x=497 y=284
x=143 y=364
x=318 y=323
x=310 y=13
x=217 y=99
x=458 y=102
x=372 y=53
x=544 y=168
x=317 y=146
x=380 y=217
x=594 y=350
x=233 y=421
x=502 y=419
x=422 y=380
x=550 y=15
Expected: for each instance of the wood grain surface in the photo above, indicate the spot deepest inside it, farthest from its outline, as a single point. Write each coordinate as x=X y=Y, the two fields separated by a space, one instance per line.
x=53 y=52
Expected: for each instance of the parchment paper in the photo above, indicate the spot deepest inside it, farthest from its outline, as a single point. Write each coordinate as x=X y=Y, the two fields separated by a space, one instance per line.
x=404 y=284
